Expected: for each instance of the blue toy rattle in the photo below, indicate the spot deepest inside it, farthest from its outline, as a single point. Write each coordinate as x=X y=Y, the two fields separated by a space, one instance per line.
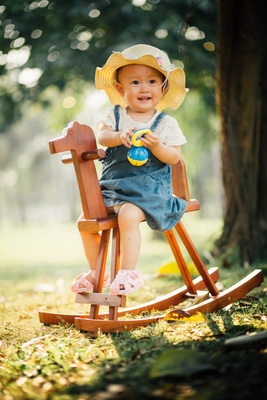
x=138 y=154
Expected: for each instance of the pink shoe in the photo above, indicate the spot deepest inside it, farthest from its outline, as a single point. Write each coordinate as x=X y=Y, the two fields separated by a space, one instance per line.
x=87 y=285
x=129 y=279
x=79 y=276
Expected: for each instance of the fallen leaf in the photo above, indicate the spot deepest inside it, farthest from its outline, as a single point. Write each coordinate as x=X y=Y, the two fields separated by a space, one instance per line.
x=25 y=316
x=176 y=315
x=183 y=316
x=201 y=296
x=38 y=339
x=181 y=363
x=244 y=340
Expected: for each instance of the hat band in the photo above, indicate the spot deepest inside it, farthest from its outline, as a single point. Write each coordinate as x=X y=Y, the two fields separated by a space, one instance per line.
x=132 y=56
x=165 y=82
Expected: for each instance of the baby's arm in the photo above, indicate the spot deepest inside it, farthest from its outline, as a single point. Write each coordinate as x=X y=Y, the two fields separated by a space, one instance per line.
x=109 y=138
x=167 y=154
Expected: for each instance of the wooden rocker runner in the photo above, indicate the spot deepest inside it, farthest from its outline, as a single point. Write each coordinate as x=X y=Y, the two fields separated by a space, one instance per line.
x=80 y=140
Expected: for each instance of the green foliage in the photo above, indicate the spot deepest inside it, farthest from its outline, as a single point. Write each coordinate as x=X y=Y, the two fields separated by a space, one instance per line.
x=65 y=44
x=60 y=43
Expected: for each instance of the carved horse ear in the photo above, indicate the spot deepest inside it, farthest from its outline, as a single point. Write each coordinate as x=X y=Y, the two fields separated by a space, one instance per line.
x=73 y=124
x=65 y=130
x=66 y=141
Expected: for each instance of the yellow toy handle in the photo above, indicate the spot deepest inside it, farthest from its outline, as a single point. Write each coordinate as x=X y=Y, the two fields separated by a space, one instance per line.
x=137 y=142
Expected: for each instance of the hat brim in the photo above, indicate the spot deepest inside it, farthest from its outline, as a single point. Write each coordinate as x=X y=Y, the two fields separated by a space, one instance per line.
x=105 y=78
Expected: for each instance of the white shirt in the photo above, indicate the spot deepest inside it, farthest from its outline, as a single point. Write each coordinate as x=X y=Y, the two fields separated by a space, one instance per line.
x=168 y=129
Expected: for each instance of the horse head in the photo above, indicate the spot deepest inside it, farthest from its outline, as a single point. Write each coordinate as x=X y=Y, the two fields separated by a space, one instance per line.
x=76 y=137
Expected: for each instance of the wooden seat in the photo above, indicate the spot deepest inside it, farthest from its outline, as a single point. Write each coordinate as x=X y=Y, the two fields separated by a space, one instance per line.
x=80 y=141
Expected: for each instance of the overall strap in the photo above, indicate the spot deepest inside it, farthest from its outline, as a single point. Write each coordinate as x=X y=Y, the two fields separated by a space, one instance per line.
x=117 y=117
x=157 y=121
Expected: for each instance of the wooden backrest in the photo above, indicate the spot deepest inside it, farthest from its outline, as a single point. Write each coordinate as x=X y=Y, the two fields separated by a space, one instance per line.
x=179 y=181
x=80 y=141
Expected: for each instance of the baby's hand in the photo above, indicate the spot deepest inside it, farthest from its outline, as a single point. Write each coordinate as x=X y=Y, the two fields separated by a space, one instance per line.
x=125 y=137
x=150 y=141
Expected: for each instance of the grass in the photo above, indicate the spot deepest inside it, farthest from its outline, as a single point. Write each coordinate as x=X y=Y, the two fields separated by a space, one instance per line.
x=184 y=360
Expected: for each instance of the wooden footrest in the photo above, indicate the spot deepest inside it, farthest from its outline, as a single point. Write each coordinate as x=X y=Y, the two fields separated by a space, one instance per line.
x=101 y=299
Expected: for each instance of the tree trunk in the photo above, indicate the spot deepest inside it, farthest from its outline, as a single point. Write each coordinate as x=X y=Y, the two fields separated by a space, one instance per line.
x=242 y=97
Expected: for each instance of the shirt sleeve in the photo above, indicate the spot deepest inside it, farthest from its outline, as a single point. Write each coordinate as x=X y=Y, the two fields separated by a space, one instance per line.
x=170 y=133
x=109 y=119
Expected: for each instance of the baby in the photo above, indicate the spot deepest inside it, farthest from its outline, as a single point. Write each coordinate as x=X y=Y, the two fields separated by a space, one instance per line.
x=139 y=82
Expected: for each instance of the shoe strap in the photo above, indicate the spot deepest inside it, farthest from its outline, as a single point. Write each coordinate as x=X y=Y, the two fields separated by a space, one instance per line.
x=128 y=276
x=92 y=272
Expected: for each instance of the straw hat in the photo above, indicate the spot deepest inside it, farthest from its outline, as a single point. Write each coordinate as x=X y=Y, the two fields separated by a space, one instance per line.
x=175 y=91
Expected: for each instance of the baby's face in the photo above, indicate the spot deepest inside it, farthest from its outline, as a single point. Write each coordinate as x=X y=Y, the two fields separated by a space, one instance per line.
x=141 y=86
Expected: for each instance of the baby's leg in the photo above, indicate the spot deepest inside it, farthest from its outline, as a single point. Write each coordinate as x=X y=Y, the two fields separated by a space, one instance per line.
x=91 y=242
x=129 y=219
x=128 y=279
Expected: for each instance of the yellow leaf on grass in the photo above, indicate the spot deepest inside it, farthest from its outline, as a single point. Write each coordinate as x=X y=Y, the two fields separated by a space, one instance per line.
x=172 y=268
x=184 y=316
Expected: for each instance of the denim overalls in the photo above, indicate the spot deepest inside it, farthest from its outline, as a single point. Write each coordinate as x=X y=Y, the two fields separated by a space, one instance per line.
x=148 y=186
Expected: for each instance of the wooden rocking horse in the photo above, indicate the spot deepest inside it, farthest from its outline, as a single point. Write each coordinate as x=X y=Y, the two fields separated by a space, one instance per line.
x=80 y=140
